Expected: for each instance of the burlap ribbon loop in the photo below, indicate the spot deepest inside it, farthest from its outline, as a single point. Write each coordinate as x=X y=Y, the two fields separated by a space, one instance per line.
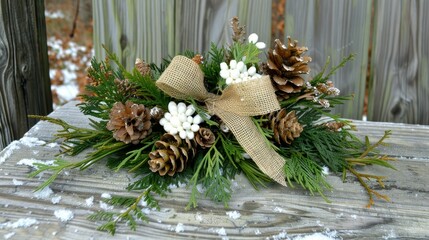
x=184 y=79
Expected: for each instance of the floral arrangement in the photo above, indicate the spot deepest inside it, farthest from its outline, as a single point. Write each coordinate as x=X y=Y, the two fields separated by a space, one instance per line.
x=203 y=119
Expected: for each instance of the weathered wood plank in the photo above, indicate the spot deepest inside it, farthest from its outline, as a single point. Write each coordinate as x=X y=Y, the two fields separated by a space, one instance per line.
x=24 y=77
x=153 y=30
x=399 y=88
x=336 y=29
x=264 y=214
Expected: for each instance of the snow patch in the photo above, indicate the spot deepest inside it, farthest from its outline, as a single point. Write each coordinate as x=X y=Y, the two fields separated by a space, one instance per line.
x=31 y=161
x=56 y=200
x=7 y=152
x=180 y=228
x=105 y=206
x=54 y=15
x=31 y=141
x=17 y=182
x=327 y=235
x=20 y=223
x=106 y=195
x=199 y=217
x=233 y=214
x=281 y=235
x=221 y=231
x=66 y=92
x=325 y=170
x=43 y=193
x=390 y=235
x=64 y=215
x=89 y=201
x=279 y=210
x=52 y=144
x=8 y=235
x=179 y=185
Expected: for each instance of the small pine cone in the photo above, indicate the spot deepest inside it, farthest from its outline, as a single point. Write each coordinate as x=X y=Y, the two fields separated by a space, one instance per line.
x=198 y=59
x=156 y=113
x=172 y=154
x=125 y=87
x=205 y=137
x=130 y=123
x=285 y=126
x=334 y=126
x=143 y=67
x=285 y=65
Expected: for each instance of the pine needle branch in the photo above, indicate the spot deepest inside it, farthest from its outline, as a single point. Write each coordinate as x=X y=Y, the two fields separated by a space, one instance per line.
x=371 y=193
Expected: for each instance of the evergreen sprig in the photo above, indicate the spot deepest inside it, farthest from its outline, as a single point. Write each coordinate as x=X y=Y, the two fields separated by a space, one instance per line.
x=130 y=216
x=211 y=68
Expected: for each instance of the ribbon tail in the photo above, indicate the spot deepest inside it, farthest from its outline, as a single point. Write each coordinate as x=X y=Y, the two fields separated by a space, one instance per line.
x=248 y=136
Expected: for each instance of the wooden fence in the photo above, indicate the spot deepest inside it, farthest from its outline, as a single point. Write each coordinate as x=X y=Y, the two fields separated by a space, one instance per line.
x=389 y=38
x=24 y=68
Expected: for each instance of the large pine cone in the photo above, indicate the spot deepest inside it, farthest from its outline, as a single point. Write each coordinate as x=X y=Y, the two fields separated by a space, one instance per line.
x=130 y=123
x=285 y=126
x=285 y=65
x=172 y=154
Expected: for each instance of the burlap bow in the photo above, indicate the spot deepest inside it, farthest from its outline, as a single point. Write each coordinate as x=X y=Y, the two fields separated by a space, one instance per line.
x=184 y=79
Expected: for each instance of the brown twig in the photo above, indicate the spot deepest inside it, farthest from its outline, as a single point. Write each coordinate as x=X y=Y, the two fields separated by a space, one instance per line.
x=75 y=20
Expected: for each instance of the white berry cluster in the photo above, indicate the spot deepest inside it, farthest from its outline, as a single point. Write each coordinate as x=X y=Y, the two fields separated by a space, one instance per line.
x=237 y=72
x=179 y=120
x=253 y=38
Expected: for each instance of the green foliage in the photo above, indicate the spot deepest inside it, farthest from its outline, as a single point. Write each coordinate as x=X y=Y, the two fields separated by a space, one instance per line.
x=305 y=172
x=248 y=53
x=104 y=92
x=211 y=68
x=208 y=171
x=129 y=216
x=321 y=78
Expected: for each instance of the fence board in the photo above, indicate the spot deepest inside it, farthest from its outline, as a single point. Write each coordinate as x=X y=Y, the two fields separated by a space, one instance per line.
x=24 y=77
x=153 y=30
x=399 y=89
x=335 y=29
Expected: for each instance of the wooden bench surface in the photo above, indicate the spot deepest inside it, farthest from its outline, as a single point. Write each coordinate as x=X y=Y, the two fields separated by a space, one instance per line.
x=274 y=213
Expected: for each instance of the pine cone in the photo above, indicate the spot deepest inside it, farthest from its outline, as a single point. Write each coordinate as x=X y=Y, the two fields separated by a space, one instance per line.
x=156 y=113
x=172 y=154
x=125 y=87
x=205 y=137
x=334 y=126
x=143 y=67
x=130 y=123
x=198 y=59
x=285 y=65
x=285 y=126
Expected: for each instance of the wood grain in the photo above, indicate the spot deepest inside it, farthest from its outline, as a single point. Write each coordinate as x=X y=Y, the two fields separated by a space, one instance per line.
x=399 y=90
x=24 y=79
x=266 y=213
x=153 y=30
x=334 y=29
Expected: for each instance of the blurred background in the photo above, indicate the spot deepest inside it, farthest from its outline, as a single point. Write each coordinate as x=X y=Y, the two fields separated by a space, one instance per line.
x=388 y=76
